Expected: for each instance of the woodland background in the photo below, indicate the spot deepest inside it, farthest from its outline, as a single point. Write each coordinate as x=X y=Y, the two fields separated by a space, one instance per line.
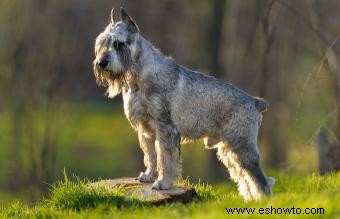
x=53 y=115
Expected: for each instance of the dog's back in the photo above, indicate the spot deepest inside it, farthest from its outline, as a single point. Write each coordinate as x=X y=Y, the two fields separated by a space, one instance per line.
x=200 y=104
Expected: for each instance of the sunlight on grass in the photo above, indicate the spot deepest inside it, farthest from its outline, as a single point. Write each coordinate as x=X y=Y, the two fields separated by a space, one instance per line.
x=74 y=199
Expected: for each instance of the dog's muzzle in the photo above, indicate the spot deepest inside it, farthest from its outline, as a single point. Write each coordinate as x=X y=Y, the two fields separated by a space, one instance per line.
x=102 y=63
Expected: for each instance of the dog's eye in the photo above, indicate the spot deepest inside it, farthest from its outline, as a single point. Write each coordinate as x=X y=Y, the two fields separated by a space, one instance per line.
x=117 y=44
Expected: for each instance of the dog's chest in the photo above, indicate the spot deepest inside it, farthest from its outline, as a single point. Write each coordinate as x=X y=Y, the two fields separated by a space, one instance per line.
x=135 y=108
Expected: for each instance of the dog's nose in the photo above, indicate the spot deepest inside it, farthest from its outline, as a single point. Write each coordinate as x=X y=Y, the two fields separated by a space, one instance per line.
x=103 y=63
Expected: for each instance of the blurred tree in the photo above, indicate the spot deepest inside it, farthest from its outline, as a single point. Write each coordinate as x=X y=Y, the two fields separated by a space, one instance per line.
x=329 y=152
x=214 y=45
x=33 y=86
x=215 y=37
x=274 y=141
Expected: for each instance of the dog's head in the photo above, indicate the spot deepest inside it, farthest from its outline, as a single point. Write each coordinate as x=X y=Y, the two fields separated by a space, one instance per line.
x=115 y=51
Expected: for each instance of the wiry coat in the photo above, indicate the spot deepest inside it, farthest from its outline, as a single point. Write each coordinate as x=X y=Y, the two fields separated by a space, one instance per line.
x=168 y=104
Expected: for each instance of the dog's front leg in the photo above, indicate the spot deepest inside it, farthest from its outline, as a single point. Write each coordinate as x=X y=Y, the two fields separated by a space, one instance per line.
x=150 y=158
x=168 y=157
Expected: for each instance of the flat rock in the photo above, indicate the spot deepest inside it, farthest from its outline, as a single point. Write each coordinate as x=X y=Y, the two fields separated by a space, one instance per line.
x=144 y=192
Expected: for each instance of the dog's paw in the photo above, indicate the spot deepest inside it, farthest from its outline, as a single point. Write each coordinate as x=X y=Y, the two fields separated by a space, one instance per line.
x=146 y=177
x=162 y=185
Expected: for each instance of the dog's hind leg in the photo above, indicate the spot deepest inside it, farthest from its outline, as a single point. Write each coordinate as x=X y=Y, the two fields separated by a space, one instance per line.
x=242 y=161
x=235 y=171
x=147 y=144
x=168 y=156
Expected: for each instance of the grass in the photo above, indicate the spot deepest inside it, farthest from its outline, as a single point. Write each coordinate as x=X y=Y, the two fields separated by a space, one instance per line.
x=97 y=141
x=74 y=199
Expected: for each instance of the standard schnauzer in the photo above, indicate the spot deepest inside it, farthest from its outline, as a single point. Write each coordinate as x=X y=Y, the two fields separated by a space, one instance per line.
x=169 y=104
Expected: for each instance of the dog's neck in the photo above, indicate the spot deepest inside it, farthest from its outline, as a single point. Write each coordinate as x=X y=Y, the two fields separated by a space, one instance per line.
x=149 y=55
x=148 y=58
x=143 y=62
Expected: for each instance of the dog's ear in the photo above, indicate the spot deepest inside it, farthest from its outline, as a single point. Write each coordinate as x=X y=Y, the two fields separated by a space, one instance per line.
x=132 y=26
x=112 y=21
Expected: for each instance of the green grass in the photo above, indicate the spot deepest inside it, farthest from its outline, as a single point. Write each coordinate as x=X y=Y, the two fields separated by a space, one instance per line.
x=74 y=199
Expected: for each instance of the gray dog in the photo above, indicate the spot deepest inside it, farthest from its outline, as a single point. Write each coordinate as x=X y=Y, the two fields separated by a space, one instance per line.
x=168 y=104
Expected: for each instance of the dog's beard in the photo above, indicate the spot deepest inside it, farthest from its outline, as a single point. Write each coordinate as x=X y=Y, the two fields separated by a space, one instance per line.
x=113 y=81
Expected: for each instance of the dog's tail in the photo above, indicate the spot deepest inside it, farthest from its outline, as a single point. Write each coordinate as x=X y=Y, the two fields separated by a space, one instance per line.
x=261 y=104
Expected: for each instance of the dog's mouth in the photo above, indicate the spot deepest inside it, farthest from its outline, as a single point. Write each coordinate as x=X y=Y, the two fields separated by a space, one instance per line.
x=104 y=76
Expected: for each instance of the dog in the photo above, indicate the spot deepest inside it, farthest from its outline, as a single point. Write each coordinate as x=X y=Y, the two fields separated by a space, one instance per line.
x=169 y=104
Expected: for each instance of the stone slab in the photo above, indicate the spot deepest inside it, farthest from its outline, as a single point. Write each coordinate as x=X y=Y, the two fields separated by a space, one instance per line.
x=143 y=191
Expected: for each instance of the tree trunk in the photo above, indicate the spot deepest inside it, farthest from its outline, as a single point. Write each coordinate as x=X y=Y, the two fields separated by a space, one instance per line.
x=329 y=153
x=214 y=45
x=276 y=152
x=214 y=37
